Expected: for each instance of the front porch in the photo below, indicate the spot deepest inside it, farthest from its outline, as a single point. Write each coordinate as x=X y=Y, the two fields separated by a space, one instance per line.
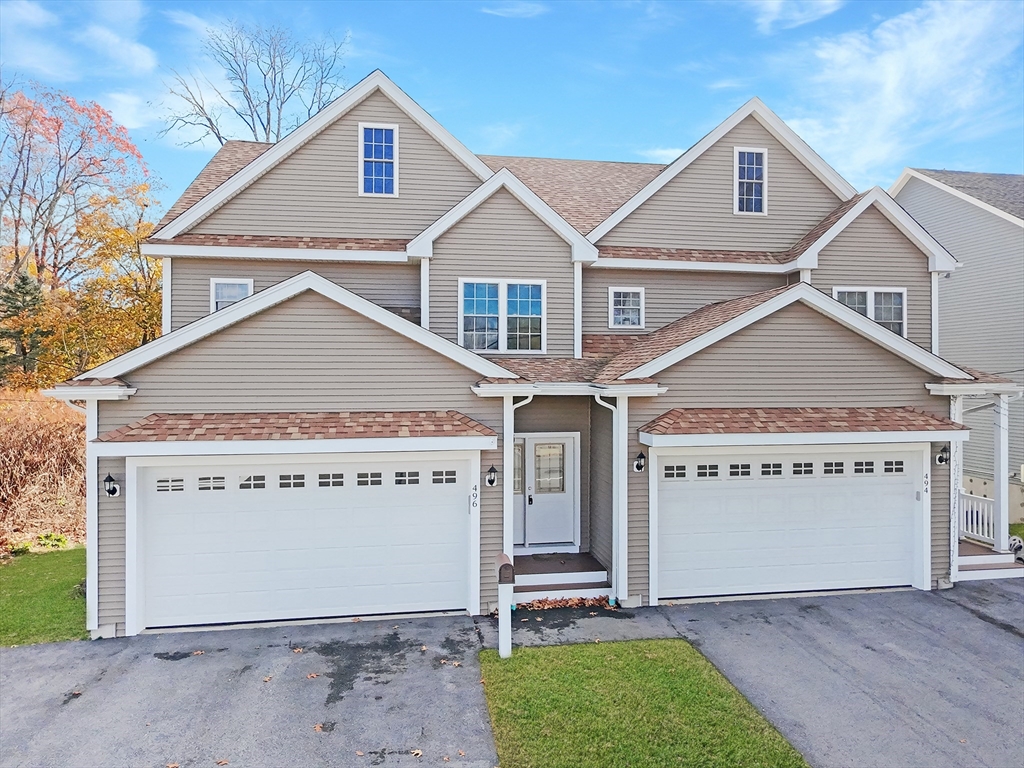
x=559 y=575
x=977 y=555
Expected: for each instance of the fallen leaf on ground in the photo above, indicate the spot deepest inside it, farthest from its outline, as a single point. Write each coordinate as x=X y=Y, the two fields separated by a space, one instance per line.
x=222 y=762
x=597 y=639
x=423 y=649
x=395 y=627
x=963 y=741
x=359 y=753
x=567 y=602
x=593 y=613
x=267 y=679
x=416 y=752
x=539 y=618
x=172 y=765
x=444 y=661
x=318 y=727
x=446 y=759
x=524 y=619
x=296 y=650
x=461 y=753
x=198 y=653
x=356 y=619
x=312 y=675
x=456 y=663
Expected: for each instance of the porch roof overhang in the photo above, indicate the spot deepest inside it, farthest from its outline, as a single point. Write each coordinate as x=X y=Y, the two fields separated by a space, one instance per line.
x=162 y=434
x=500 y=389
x=91 y=389
x=683 y=427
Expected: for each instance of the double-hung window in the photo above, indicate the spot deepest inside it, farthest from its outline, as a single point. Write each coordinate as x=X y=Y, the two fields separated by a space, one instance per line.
x=750 y=173
x=886 y=306
x=502 y=316
x=226 y=291
x=378 y=160
x=626 y=308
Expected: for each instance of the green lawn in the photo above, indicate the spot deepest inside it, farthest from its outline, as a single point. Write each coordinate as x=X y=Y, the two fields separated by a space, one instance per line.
x=39 y=600
x=629 y=704
x=1017 y=529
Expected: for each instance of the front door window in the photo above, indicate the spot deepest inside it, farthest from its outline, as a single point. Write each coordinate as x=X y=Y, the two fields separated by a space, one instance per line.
x=550 y=467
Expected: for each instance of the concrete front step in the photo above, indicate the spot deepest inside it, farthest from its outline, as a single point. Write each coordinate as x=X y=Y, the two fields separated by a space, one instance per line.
x=531 y=592
x=968 y=570
x=578 y=577
x=995 y=558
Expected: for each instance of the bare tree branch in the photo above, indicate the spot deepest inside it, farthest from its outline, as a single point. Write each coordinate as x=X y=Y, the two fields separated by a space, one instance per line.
x=267 y=83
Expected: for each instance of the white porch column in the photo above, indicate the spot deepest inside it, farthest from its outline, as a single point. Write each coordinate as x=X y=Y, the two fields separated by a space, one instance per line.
x=956 y=482
x=620 y=488
x=1001 y=481
x=508 y=432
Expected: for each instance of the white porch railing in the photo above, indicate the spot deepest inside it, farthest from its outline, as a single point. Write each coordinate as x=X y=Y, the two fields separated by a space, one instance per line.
x=978 y=518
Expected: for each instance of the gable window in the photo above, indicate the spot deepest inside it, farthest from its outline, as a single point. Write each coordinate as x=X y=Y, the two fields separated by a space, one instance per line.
x=886 y=306
x=626 y=308
x=502 y=316
x=225 y=291
x=750 y=178
x=378 y=160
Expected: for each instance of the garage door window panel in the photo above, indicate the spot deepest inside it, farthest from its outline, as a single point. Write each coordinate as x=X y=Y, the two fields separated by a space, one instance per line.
x=291 y=481
x=252 y=482
x=407 y=478
x=170 y=484
x=331 y=479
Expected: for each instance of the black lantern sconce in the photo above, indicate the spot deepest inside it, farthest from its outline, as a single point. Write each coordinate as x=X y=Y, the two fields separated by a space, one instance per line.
x=110 y=486
x=492 y=476
x=942 y=457
x=640 y=462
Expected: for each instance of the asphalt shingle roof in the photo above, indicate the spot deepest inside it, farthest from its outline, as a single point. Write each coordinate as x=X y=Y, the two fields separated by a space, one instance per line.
x=1004 y=191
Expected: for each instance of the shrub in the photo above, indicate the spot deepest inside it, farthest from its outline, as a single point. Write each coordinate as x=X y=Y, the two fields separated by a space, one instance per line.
x=42 y=468
x=21 y=549
x=52 y=540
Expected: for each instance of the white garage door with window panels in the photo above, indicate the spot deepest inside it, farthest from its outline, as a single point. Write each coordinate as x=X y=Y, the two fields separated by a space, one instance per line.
x=731 y=521
x=262 y=538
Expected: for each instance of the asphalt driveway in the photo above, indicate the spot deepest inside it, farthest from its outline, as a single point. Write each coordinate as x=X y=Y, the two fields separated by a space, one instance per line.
x=386 y=689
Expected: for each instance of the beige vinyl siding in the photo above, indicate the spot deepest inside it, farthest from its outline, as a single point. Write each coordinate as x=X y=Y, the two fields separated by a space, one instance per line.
x=110 y=546
x=794 y=358
x=564 y=414
x=307 y=354
x=981 y=306
x=315 y=191
x=601 y=492
x=940 y=516
x=502 y=239
x=870 y=253
x=667 y=295
x=695 y=209
x=390 y=285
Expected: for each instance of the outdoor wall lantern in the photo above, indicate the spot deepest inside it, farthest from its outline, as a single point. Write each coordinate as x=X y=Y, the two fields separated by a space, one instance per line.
x=110 y=486
x=942 y=457
x=492 y=476
x=640 y=462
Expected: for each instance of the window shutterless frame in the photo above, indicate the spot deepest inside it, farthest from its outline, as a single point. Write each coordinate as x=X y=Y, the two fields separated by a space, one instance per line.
x=360 y=159
x=503 y=314
x=215 y=281
x=736 y=181
x=871 y=300
x=611 y=307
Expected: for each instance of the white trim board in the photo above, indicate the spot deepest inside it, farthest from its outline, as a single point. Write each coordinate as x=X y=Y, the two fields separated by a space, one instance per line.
x=286 y=289
x=375 y=81
x=165 y=250
x=559 y=388
x=801 y=438
x=783 y=268
x=422 y=246
x=90 y=394
x=910 y=173
x=224 y=448
x=818 y=301
x=772 y=123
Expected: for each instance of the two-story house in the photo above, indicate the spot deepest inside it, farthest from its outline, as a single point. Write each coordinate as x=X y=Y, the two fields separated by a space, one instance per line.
x=388 y=361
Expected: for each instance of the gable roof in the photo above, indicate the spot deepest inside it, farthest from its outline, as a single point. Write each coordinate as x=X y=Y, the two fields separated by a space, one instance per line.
x=258 y=302
x=422 y=245
x=772 y=123
x=583 y=192
x=999 y=193
x=375 y=81
x=710 y=324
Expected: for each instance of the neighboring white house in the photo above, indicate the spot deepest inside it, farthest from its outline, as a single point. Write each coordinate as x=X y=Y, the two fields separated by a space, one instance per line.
x=979 y=218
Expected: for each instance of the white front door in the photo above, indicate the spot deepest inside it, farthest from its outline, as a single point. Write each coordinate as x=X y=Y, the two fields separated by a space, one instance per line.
x=546 y=493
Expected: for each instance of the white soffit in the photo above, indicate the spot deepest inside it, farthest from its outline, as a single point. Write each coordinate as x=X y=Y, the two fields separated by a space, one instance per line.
x=258 y=302
x=772 y=123
x=375 y=81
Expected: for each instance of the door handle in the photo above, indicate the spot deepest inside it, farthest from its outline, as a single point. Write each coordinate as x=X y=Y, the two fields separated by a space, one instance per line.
x=529 y=499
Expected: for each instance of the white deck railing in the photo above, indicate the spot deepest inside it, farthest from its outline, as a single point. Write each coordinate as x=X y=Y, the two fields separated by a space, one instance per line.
x=977 y=518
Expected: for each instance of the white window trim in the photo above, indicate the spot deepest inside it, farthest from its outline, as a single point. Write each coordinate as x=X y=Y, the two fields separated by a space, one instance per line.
x=871 y=299
x=359 y=157
x=503 y=315
x=736 y=181
x=611 y=308
x=215 y=281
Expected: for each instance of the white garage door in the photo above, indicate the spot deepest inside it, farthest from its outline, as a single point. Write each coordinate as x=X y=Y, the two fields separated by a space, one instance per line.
x=286 y=538
x=786 y=521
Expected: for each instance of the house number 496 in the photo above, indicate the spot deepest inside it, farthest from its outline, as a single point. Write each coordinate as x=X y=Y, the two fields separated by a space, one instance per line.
x=474 y=498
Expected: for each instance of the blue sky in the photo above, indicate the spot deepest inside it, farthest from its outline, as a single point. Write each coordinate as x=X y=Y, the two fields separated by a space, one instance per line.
x=873 y=86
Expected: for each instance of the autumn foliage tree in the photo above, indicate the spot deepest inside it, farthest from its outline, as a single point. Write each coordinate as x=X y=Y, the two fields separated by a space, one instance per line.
x=74 y=199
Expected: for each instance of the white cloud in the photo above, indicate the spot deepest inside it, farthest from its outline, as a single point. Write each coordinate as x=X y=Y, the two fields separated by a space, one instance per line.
x=26 y=13
x=28 y=46
x=663 y=155
x=189 y=21
x=517 y=9
x=131 y=56
x=496 y=136
x=787 y=14
x=131 y=110
x=942 y=70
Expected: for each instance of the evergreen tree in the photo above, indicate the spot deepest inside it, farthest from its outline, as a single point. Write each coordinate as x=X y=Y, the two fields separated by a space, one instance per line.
x=21 y=305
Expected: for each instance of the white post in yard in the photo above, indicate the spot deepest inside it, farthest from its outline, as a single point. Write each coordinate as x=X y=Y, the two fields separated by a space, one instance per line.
x=1001 y=481
x=506 y=584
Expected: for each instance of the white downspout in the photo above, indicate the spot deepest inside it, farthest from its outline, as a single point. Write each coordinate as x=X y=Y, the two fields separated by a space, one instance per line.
x=508 y=462
x=92 y=522
x=425 y=293
x=165 y=295
x=620 y=527
x=577 y=309
x=935 y=313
